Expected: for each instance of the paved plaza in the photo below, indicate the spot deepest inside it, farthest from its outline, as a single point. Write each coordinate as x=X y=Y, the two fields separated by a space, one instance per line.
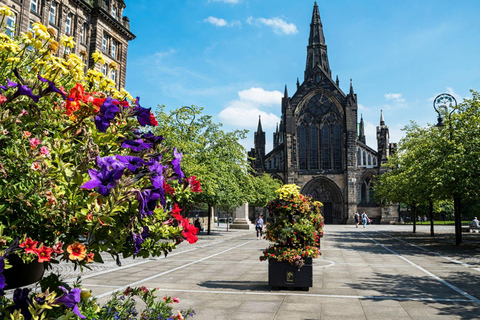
x=380 y=272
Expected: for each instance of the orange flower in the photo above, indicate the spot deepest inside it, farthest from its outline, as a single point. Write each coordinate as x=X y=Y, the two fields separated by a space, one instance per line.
x=77 y=251
x=90 y=256
x=44 y=253
x=29 y=245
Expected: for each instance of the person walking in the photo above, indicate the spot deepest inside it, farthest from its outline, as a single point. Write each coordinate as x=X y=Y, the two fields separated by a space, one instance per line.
x=357 y=219
x=259 y=226
x=364 y=219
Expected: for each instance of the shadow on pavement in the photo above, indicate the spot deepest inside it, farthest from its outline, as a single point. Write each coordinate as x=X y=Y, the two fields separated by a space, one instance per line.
x=237 y=285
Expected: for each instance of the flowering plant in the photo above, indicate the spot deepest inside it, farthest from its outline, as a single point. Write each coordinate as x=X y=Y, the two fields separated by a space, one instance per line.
x=297 y=227
x=75 y=302
x=79 y=172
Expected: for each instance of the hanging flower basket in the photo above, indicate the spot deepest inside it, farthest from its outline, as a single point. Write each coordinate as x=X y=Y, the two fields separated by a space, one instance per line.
x=22 y=274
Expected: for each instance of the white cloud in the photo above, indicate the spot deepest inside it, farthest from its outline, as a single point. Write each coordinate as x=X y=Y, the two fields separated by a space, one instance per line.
x=244 y=111
x=278 y=25
x=361 y=107
x=219 y=22
x=225 y=1
x=397 y=97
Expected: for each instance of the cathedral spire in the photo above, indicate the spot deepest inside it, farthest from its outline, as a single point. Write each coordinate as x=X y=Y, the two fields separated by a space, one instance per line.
x=337 y=81
x=351 y=87
x=316 y=49
x=259 y=129
x=382 y=121
x=286 y=92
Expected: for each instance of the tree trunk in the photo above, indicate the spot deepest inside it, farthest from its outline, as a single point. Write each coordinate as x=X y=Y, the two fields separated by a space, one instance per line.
x=457 y=201
x=209 y=221
x=226 y=220
x=432 y=232
x=414 y=219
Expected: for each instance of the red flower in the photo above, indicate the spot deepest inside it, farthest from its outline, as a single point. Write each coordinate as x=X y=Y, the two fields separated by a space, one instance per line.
x=44 y=253
x=29 y=245
x=90 y=256
x=167 y=188
x=194 y=184
x=127 y=291
x=176 y=212
x=57 y=248
x=153 y=121
x=75 y=95
x=189 y=231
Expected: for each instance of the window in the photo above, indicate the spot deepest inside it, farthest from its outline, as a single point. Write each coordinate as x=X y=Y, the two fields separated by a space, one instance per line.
x=369 y=160
x=359 y=157
x=82 y=34
x=364 y=158
x=114 y=49
x=302 y=147
x=313 y=147
x=34 y=5
x=104 y=69
x=104 y=43
x=53 y=13
x=114 y=75
x=68 y=24
x=326 y=148
x=114 y=12
x=337 y=146
x=11 y=25
x=67 y=50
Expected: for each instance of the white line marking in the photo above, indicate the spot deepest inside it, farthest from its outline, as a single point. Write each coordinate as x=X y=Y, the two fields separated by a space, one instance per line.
x=169 y=271
x=451 y=286
x=315 y=295
x=426 y=250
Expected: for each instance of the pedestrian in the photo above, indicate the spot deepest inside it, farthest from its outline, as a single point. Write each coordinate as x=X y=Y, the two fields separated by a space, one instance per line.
x=425 y=218
x=357 y=219
x=364 y=219
x=475 y=225
x=259 y=226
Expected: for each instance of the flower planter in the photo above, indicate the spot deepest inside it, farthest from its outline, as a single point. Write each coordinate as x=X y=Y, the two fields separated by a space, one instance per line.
x=282 y=274
x=21 y=274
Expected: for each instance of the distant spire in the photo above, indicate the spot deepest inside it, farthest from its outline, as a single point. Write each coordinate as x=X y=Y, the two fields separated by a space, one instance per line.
x=286 y=92
x=298 y=83
x=382 y=120
x=277 y=127
x=337 y=81
x=361 y=134
x=351 y=87
x=316 y=49
x=259 y=129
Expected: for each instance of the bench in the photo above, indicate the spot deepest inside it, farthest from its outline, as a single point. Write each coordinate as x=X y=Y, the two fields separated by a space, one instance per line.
x=470 y=229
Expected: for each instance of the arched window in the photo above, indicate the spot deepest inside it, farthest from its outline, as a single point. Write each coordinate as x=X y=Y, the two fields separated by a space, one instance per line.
x=337 y=146
x=364 y=193
x=364 y=158
x=326 y=148
x=313 y=146
x=369 y=160
x=302 y=147
x=359 y=157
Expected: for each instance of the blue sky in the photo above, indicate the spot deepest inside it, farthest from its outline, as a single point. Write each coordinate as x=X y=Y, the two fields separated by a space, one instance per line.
x=234 y=57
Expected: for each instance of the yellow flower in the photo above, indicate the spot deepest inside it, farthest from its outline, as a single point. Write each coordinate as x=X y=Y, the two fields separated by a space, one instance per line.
x=98 y=57
x=12 y=47
x=6 y=12
x=13 y=59
x=51 y=32
x=67 y=41
x=53 y=47
x=113 y=65
x=40 y=31
x=37 y=44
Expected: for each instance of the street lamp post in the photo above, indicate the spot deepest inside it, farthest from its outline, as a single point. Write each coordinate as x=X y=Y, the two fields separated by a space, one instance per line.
x=445 y=104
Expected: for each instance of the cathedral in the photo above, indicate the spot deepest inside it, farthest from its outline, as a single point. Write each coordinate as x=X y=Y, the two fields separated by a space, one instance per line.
x=320 y=146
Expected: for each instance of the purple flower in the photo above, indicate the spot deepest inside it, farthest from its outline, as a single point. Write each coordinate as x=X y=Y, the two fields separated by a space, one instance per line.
x=2 y=277
x=21 y=90
x=150 y=137
x=70 y=300
x=157 y=173
x=145 y=232
x=107 y=113
x=109 y=162
x=137 y=241
x=136 y=145
x=51 y=87
x=103 y=180
x=20 y=298
x=177 y=158
x=148 y=200
x=142 y=114
x=132 y=163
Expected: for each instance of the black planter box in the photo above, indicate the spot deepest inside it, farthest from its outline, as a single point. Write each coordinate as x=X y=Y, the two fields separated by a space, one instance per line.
x=282 y=274
x=21 y=274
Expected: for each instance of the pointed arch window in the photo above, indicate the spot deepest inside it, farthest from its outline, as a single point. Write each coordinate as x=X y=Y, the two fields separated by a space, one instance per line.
x=337 y=146
x=364 y=158
x=302 y=147
x=313 y=146
x=326 y=148
x=369 y=159
x=367 y=192
x=359 y=157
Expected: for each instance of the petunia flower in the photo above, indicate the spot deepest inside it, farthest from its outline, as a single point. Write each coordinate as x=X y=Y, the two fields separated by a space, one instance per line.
x=75 y=95
x=21 y=301
x=142 y=114
x=2 y=99
x=104 y=180
x=193 y=184
x=71 y=300
x=107 y=113
x=189 y=231
x=148 y=201
x=132 y=163
x=177 y=158
x=77 y=251
x=150 y=137
x=168 y=188
x=44 y=150
x=29 y=245
x=34 y=142
x=110 y=162
x=51 y=87
x=136 y=145
x=176 y=212
x=2 y=277
x=44 y=253
x=137 y=242
x=57 y=248
x=22 y=90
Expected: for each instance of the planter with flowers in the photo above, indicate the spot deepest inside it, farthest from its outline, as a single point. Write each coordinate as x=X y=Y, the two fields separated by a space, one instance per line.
x=294 y=234
x=80 y=173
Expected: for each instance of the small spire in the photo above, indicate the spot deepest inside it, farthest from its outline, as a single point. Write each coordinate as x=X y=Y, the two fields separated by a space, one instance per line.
x=382 y=120
x=298 y=83
x=351 y=87
x=259 y=129
x=286 y=92
x=337 y=81
x=277 y=127
x=361 y=117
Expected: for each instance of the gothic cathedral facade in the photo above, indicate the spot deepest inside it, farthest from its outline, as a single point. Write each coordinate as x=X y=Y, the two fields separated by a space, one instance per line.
x=320 y=145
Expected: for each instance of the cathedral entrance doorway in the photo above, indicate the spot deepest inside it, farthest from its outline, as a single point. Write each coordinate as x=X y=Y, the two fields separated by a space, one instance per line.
x=327 y=192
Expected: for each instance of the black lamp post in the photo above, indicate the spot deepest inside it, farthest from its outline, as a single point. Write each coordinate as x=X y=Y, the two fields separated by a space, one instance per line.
x=445 y=104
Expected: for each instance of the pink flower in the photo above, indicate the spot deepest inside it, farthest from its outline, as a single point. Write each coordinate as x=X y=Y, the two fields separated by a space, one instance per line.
x=57 y=248
x=36 y=166
x=24 y=112
x=2 y=99
x=4 y=131
x=44 y=150
x=175 y=300
x=26 y=134
x=34 y=142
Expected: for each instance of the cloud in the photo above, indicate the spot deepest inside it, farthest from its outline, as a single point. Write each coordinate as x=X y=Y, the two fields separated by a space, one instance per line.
x=244 y=111
x=219 y=22
x=225 y=1
x=278 y=25
x=361 y=107
x=396 y=97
